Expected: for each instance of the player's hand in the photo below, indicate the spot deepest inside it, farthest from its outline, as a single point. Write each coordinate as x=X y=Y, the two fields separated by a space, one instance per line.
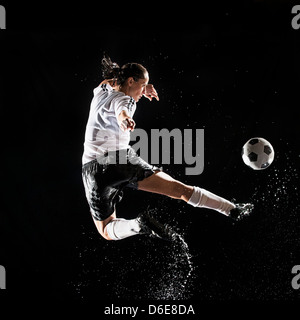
x=150 y=92
x=127 y=124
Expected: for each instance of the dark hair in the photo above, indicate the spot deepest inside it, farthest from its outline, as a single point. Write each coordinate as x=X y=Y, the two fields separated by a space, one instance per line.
x=111 y=70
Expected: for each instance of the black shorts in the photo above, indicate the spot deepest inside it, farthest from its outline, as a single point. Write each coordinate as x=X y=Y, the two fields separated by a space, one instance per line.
x=105 y=178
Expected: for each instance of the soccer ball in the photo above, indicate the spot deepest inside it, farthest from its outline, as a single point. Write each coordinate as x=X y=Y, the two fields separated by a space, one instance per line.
x=258 y=153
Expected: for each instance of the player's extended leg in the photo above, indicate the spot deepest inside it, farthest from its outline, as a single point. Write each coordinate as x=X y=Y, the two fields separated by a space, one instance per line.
x=162 y=183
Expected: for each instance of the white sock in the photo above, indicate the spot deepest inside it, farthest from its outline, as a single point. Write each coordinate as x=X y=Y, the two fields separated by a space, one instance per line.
x=118 y=229
x=205 y=199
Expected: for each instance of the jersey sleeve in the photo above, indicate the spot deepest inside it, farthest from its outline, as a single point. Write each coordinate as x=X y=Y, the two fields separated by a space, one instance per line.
x=124 y=103
x=102 y=89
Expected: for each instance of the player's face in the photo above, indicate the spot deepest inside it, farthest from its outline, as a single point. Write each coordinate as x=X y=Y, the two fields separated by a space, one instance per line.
x=137 y=88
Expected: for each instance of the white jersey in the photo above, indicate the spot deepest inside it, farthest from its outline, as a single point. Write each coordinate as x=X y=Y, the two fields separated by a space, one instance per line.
x=103 y=132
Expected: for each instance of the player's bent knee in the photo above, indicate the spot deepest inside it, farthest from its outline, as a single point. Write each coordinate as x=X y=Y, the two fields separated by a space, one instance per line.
x=106 y=237
x=101 y=228
x=104 y=234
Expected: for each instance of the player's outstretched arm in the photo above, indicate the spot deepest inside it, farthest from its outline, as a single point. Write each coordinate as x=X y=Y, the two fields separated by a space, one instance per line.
x=125 y=121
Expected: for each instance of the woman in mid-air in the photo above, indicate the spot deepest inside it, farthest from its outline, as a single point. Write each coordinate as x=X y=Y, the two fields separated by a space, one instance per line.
x=110 y=164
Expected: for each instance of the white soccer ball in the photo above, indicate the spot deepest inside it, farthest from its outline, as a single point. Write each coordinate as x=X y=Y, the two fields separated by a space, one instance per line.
x=258 y=153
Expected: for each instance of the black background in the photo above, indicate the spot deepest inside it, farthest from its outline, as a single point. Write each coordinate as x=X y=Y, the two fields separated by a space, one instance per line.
x=231 y=70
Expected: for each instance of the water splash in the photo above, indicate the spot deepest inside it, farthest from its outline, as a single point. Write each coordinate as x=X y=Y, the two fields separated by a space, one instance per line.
x=178 y=269
x=274 y=236
x=280 y=190
x=139 y=267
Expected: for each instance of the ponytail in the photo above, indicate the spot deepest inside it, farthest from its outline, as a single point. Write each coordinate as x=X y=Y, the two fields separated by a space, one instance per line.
x=111 y=70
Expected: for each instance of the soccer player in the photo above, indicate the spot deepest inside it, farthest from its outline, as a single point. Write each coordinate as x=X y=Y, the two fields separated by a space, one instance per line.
x=110 y=164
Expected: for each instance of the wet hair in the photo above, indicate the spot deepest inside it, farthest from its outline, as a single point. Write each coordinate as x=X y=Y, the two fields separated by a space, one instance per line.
x=111 y=70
